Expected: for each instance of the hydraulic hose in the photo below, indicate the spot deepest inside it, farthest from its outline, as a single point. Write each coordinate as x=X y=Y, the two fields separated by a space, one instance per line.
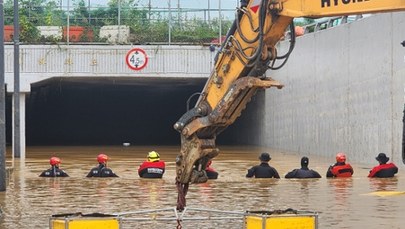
x=287 y=55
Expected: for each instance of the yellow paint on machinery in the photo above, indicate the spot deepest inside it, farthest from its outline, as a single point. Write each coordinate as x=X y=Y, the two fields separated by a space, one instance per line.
x=85 y=223
x=282 y=221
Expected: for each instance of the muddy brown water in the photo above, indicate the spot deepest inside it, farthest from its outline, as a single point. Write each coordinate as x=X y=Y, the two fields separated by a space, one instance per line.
x=29 y=200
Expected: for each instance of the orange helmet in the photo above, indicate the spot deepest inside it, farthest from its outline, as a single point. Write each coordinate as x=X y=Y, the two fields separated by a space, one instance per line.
x=340 y=157
x=54 y=161
x=102 y=158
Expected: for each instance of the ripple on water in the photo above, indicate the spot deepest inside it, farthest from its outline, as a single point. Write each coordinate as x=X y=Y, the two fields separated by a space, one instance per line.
x=29 y=200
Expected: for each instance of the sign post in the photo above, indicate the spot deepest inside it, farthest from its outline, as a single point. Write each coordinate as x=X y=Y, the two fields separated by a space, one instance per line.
x=3 y=177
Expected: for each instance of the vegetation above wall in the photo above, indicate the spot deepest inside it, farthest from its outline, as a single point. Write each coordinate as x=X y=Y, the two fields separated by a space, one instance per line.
x=146 y=25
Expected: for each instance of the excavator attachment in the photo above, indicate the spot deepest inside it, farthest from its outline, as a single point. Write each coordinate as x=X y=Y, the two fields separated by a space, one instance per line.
x=194 y=156
x=198 y=138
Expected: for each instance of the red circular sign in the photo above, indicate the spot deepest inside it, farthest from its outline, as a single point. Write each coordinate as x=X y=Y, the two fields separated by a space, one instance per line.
x=136 y=59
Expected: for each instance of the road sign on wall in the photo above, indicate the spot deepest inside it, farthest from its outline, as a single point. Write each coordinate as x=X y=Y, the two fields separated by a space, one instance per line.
x=136 y=59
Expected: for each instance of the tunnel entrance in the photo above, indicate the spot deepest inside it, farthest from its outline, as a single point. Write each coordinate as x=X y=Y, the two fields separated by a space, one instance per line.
x=103 y=111
x=82 y=111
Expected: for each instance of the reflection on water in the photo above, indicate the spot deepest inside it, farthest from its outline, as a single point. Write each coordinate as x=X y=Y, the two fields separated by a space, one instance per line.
x=30 y=200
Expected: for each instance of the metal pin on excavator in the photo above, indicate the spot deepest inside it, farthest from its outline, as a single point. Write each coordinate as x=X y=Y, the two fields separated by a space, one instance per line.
x=239 y=72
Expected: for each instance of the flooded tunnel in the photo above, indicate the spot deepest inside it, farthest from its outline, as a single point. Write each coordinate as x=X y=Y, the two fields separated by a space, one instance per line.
x=111 y=111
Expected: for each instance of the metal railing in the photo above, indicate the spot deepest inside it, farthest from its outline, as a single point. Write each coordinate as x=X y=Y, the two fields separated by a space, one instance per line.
x=204 y=218
x=329 y=23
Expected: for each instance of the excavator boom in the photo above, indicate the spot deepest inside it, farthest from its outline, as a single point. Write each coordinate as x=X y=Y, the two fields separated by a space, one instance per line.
x=248 y=52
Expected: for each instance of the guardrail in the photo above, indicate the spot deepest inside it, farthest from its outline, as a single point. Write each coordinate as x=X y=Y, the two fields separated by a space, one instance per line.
x=323 y=24
x=330 y=22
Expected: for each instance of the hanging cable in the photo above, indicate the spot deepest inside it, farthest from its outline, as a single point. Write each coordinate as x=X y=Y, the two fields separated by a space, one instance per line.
x=255 y=57
x=292 y=41
x=287 y=55
x=255 y=30
x=262 y=19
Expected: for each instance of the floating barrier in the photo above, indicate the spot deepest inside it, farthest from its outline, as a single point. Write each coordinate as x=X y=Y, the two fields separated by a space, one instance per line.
x=286 y=219
x=80 y=221
x=280 y=219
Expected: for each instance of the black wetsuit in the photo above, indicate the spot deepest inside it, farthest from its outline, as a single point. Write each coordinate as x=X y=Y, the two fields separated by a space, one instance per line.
x=101 y=171
x=264 y=170
x=303 y=172
x=211 y=173
x=54 y=171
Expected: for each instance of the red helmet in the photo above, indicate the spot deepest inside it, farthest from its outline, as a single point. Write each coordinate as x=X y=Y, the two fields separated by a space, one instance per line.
x=340 y=157
x=102 y=158
x=54 y=161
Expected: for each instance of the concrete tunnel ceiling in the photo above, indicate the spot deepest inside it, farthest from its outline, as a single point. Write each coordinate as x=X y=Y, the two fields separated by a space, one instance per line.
x=109 y=111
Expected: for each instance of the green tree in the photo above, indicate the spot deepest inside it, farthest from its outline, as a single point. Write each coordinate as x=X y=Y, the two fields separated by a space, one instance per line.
x=33 y=10
x=198 y=31
x=54 y=15
x=81 y=14
x=29 y=17
x=29 y=33
x=8 y=12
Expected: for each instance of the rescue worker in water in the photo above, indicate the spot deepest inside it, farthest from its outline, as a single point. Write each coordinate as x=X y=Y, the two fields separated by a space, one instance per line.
x=304 y=171
x=211 y=173
x=101 y=170
x=263 y=170
x=153 y=167
x=340 y=168
x=384 y=169
x=54 y=171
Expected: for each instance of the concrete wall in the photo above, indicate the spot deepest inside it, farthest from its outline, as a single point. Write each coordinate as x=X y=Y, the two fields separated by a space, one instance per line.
x=42 y=62
x=344 y=92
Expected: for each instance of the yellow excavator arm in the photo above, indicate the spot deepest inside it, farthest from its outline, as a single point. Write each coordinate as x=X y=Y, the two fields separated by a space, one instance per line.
x=239 y=71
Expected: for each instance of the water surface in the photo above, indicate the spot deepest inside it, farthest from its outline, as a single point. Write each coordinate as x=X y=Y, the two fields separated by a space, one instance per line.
x=341 y=203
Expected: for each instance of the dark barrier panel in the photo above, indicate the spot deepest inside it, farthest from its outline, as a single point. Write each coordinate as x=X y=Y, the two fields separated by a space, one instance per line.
x=403 y=137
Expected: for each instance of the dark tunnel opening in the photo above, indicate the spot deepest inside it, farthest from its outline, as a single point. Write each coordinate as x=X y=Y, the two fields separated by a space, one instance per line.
x=107 y=111
x=111 y=111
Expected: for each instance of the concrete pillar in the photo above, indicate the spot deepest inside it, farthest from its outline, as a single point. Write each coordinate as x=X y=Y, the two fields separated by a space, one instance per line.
x=22 y=125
